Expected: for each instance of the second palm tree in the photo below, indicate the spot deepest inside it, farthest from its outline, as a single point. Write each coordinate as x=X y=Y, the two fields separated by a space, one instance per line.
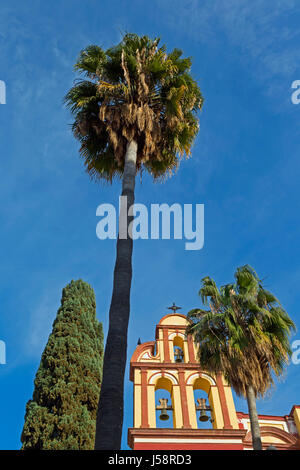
x=244 y=335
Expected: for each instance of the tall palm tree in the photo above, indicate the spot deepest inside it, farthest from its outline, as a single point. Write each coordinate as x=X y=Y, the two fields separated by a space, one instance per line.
x=135 y=109
x=244 y=335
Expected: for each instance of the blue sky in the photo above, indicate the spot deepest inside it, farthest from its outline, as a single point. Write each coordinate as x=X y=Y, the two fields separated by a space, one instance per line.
x=244 y=168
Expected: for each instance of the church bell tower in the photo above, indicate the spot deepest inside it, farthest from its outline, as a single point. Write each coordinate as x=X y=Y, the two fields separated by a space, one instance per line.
x=169 y=364
x=167 y=413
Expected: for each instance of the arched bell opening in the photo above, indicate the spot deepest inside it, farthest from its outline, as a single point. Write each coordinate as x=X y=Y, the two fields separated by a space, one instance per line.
x=164 y=404
x=203 y=407
x=178 y=349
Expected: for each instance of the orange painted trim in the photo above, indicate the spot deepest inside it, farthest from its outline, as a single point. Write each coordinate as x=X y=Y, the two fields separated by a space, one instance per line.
x=166 y=346
x=293 y=409
x=184 y=404
x=180 y=328
x=144 y=398
x=167 y=365
x=138 y=351
x=290 y=442
x=164 y=366
x=240 y=415
x=149 y=433
x=141 y=348
x=180 y=446
x=191 y=349
x=225 y=412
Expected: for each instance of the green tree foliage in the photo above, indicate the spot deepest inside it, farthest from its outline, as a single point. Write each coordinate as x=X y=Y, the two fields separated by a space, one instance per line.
x=134 y=91
x=244 y=335
x=62 y=412
x=135 y=108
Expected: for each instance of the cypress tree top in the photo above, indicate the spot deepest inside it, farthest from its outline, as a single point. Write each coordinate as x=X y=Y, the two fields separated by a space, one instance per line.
x=62 y=412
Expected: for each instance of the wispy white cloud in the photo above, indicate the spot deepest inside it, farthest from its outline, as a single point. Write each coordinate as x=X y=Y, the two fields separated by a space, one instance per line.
x=264 y=35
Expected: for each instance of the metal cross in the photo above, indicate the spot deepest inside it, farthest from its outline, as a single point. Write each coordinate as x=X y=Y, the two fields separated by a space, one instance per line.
x=174 y=308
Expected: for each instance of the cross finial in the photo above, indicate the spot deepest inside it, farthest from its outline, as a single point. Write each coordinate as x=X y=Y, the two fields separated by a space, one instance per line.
x=174 y=308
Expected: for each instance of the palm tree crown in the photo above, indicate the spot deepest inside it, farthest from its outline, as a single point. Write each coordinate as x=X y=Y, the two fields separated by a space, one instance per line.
x=245 y=333
x=135 y=108
x=134 y=91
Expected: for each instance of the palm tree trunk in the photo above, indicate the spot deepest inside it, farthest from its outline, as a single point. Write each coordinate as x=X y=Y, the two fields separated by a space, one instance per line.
x=110 y=408
x=255 y=431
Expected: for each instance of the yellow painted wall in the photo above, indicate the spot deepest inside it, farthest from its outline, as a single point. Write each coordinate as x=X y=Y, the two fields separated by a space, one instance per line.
x=161 y=345
x=186 y=351
x=177 y=411
x=272 y=440
x=174 y=320
x=296 y=416
x=191 y=406
x=265 y=423
x=171 y=350
x=215 y=404
x=231 y=407
x=137 y=406
x=151 y=406
x=196 y=348
x=137 y=376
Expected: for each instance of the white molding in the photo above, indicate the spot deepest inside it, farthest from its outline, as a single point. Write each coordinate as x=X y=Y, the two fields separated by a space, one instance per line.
x=173 y=335
x=266 y=422
x=188 y=441
x=198 y=375
x=146 y=355
x=159 y=375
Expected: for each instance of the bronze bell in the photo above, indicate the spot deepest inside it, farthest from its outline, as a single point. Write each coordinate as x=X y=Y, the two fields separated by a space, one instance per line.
x=203 y=408
x=178 y=355
x=203 y=416
x=164 y=415
x=163 y=407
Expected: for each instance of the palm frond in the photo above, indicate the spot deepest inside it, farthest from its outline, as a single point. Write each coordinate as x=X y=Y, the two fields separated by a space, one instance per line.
x=134 y=90
x=245 y=334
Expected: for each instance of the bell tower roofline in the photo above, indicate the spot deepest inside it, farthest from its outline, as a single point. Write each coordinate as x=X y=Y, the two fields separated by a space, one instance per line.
x=172 y=320
x=176 y=316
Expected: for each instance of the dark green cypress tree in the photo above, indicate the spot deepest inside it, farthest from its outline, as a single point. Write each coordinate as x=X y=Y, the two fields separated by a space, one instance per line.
x=62 y=412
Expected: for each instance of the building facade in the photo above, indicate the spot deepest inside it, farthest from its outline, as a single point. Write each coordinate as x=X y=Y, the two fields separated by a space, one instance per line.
x=169 y=364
